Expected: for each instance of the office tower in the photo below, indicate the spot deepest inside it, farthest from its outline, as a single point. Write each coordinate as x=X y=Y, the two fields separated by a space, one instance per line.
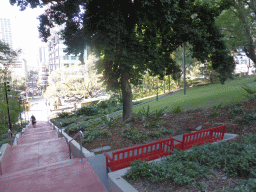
x=5 y=31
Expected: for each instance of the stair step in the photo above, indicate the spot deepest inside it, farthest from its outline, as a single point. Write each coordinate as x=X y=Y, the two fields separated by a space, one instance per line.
x=20 y=157
x=40 y=136
x=71 y=175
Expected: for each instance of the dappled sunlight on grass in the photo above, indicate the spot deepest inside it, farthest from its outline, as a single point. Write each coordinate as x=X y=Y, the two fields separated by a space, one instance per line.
x=204 y=96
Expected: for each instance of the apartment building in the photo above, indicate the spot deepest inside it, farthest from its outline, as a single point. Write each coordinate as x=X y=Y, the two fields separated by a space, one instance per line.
x=243 y=64
x=5 y=31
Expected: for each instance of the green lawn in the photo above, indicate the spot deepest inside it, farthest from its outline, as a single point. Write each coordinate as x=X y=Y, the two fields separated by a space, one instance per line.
x=204 y=96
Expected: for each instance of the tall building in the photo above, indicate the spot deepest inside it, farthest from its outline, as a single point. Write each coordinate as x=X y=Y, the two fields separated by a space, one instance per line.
x=5 y=31
x=243 y=64
x=57 y=57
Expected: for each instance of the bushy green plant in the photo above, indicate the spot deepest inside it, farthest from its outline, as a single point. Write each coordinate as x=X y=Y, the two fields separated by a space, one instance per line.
x=176 y=110
x=250 y=93
x=236 y=111
x=109 y=121
x=63 y=115
x=155 y=134
x=160 y=131
x=245 y=186
x=146 y=112
x=160 y=113
x=236 y=159
x=215 y=114
x=92 y=134
x=217 y=106
x=72 y=128
x=134 y=134
x=246 y=119
x=139 y=116
x=88 y=111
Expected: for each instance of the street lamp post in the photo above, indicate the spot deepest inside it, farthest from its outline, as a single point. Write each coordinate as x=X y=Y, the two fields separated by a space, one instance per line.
x=20 y=112
x=6 y=87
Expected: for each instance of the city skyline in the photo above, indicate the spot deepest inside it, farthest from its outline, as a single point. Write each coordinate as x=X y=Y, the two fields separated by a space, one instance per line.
x=24 y=30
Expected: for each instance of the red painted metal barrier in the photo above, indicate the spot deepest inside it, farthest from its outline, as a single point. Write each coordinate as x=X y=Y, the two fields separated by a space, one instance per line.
x=201 y=137
x=123 y=158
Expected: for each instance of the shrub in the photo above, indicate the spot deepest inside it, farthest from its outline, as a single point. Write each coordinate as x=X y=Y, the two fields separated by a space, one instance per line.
x=63 y=115
x=236 y=159
x=217 y=106
x=246 y=119
x=88 y=111
x=134 y=135
x=160 y=113
x=236 y=111
x=109 y=121
x=176 y=110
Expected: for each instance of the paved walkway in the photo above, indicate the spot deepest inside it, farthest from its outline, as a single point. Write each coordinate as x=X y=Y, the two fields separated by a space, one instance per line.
x=40 y=162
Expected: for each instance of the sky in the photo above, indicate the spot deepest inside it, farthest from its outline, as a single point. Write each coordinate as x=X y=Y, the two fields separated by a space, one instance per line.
x=25 y=34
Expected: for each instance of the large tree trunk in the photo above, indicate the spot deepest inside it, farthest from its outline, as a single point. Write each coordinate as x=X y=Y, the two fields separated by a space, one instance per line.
x=127 y=97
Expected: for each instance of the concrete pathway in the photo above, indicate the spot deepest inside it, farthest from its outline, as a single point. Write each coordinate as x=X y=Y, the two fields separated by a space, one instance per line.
x=40 y=162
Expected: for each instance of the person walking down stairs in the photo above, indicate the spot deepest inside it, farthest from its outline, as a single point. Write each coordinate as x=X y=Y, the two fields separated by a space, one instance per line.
x=33 y=120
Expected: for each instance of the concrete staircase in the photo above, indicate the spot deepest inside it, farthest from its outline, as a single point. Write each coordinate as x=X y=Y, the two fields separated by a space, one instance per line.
x=41 y=162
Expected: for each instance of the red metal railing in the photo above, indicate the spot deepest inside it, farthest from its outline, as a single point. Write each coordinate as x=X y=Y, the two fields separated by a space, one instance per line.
x=201 y=137
x=122 y=158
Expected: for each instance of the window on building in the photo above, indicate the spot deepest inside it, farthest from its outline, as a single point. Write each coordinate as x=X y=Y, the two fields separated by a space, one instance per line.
x=243 y=62
x=65 y=57
x=66 y=65
x=73 y=57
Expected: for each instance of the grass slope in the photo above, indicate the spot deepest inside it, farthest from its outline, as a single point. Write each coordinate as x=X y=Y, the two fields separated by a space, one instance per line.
x=204 y=96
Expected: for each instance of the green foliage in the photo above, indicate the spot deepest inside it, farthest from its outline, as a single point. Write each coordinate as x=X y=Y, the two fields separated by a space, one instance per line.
x=250 y=93
x=160 y=113
x=248 y=90
x=246 y=119
x=176 y=110
x=236 y=159
x=134 y=134
x=109 y=121
x=88 y=111
x=236 y=111
x=215 y=114
x=245 y=186
x=146 y=112
x=160 y=131
x=63 y=115
x=217 y=106
x=91 y=134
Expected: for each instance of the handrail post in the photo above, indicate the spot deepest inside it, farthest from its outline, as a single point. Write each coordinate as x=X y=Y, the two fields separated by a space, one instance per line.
x=1 y=168
x=10 y=136
x=69 y=150
x=61 y=129
x=81 y=147
x=80 y=133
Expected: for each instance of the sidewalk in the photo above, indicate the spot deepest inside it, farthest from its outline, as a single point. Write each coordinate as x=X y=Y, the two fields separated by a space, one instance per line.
x=40 y=162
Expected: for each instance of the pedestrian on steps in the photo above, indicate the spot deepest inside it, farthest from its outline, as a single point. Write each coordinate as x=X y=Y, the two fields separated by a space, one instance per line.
x=33 y=119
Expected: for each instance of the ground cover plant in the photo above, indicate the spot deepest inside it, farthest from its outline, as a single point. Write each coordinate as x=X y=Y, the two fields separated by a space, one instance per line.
x=236 y=160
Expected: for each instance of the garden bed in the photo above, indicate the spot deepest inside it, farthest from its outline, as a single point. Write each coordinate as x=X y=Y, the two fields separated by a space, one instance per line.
x=238 y=118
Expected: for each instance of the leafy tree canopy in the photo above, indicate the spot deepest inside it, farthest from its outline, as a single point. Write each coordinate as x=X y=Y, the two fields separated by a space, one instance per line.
x=238 y=26
x=132 y=36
